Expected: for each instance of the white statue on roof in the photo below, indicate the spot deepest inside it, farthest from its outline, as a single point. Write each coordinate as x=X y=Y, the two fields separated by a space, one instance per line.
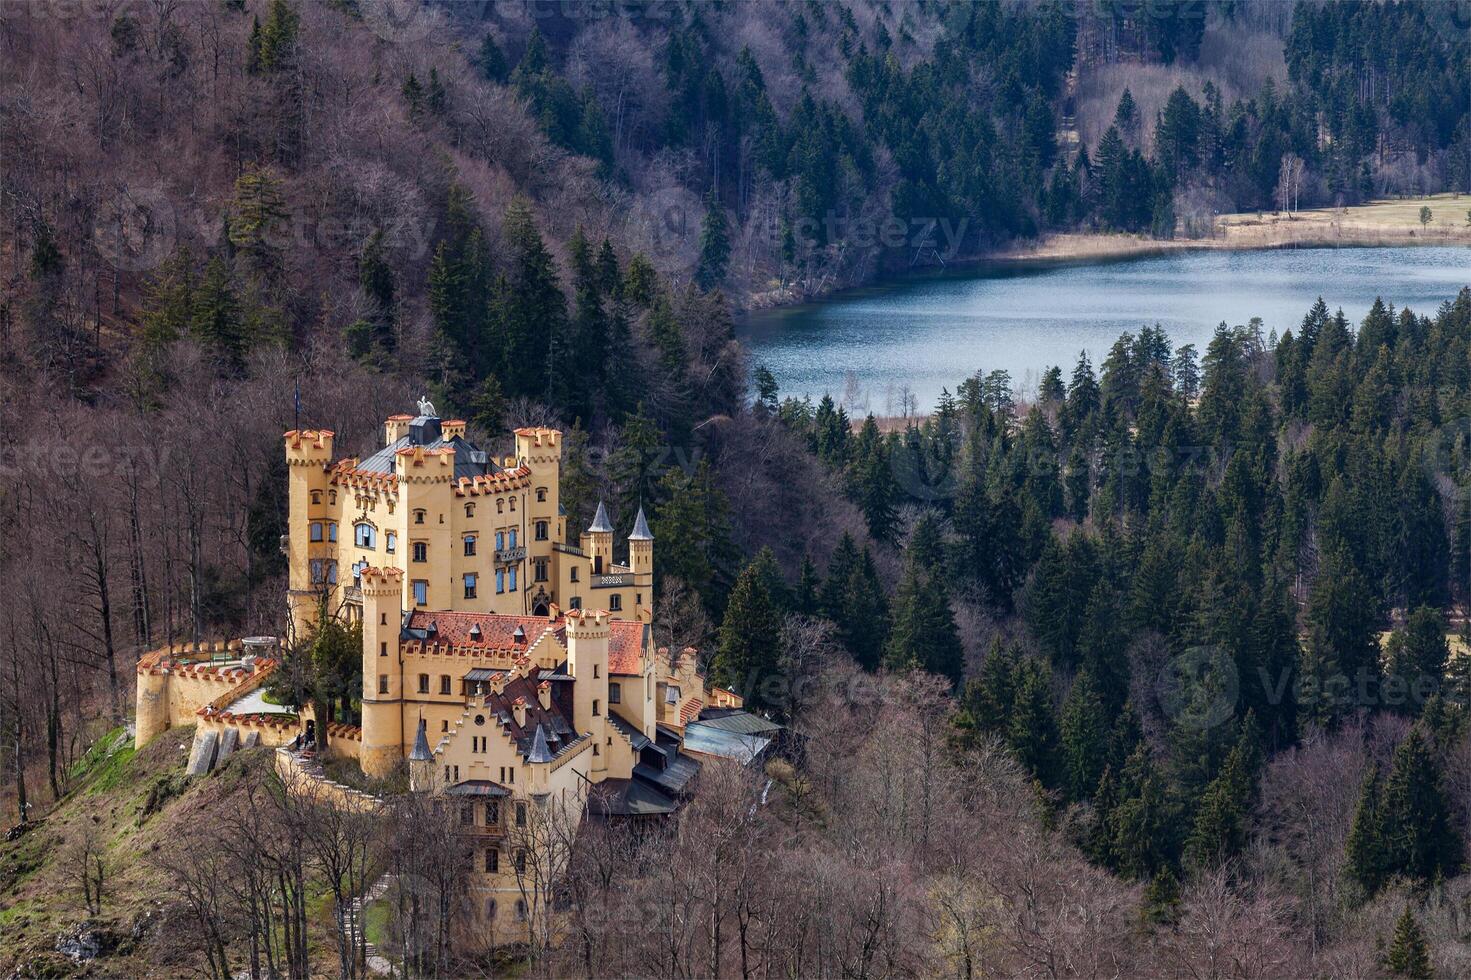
x=426 y=408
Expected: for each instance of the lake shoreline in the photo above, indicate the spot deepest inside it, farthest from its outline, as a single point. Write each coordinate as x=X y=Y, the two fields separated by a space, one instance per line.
x=1381 y=224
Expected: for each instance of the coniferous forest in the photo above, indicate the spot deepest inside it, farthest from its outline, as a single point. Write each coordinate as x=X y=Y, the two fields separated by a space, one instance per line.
x=1164 y=669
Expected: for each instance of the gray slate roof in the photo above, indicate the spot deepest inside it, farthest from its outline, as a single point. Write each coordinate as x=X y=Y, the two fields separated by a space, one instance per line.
x=600 y=521
x=641 y=528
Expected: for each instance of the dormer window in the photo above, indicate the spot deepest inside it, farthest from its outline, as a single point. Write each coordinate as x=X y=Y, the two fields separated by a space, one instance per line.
x=519 y=635
x=475 y=632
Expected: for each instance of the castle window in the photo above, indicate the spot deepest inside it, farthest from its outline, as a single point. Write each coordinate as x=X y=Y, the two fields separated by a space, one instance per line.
x=444 y=684
x=575 y=602
x=513 y=537
x=423 y=683
x=382 y=683
x=615 y=602
x=390 y=541
x=332 y=531
x=419 y=516
x=512 y=571
x=467 y=815
x=444 y=725
x=365 y=536
x=469 y=545
x=521 y=908
x=421 y=593
x=541 y=569
x=492 y=813
x=490 y=908
x=383 y=649
x=574 y=574
x=595 y=745
x=332 y=497
x=541 y=495
x=520 y=822
x=513 y=505
x=316 y=531
x=595 y=672
x=470 y=580
x=615 y=694
x=500 y=506
x=520 y=870
x=492 y=865
x=595 y=710
x=316 y=498
x=421 y=551
x=469 y=510
x=541 y=530
x=500 y=540
x=511 y=775
x=671 y=694
x=500 y=580
x=638 y=598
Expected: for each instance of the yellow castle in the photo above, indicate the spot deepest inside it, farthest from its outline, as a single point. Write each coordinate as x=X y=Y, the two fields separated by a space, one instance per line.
x=511 y=672
x=471 y=532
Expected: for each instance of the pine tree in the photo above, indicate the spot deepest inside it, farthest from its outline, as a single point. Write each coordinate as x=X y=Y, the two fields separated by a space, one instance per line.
x=256 y=217
x=923 y=634
x=1221 y=820
x=1364 y=850
x=1418 y=654
x=805 y=599
x=1032 y=729
x=714 y=246
x=492 y=60
x=529 y=314
x=1408 y=954
x=217 y=321
x=1419 y=836
x=1342 y=636
x=692 y=526
x=747 y=651
x=1084 y=737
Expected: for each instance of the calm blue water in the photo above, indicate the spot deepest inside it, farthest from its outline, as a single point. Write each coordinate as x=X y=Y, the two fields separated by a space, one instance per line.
x=867 y=348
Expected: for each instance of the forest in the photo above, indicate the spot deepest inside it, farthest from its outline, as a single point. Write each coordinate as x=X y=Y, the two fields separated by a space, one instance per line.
x=1161 y=671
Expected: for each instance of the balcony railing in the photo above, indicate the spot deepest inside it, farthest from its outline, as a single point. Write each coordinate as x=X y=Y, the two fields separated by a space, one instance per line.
x=614 y=581
x=353 y=593
x=508 y=556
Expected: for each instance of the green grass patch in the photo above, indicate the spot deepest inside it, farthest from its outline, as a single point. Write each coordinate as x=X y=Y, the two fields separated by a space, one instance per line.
x=375 y=922
x=105 y=764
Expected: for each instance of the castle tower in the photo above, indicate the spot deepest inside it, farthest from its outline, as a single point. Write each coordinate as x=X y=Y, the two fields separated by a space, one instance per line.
x=597 y=541
x=383 y=734
x=426 y=496
x=641 y=563
x=588 y=633
x=421 y=762
x=308 y=457
x=152 y=699
x=540 y=451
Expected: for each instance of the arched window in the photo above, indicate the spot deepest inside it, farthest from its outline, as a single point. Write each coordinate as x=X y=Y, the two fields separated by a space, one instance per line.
x=365 y=536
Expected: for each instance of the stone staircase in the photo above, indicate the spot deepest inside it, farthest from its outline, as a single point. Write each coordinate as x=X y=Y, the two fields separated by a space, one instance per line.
x=377 y=963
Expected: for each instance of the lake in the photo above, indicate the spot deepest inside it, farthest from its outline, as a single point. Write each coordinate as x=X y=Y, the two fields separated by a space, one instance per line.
x=868 y=348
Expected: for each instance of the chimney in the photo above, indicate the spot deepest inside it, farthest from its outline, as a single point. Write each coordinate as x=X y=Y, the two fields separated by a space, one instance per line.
x=544 y=695
x=518 y=707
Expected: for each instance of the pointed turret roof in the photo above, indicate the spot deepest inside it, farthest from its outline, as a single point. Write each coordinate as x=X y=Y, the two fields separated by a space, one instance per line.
x=540 y=751
x=421 y=745
x=600 y=521
x=641 y=528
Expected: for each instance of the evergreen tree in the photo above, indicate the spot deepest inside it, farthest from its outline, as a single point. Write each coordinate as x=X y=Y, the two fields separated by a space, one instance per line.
x=492 y=60
x=217 y=321
x=714 y=245
x=1084 y=737
x=1032 y=728
x=692 y=526
x=747 y=652
x=923 y=634
x=1417 y=658
x=1408 y=954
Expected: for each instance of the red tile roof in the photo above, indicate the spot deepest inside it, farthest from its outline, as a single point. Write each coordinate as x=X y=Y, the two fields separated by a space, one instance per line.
x=497 y=633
